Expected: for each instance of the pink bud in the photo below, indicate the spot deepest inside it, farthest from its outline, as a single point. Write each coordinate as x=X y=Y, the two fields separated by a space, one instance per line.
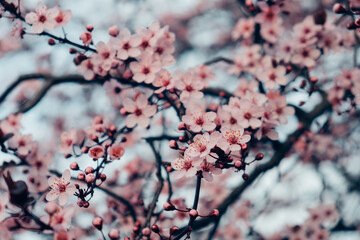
x=146 y=231
x=90 y=178
x=89 y=27
x=81 y=176
x=182 y=126
x=238 y=164
x=51 y=208
x=98 y=223
x=127 y=74
x=193 y=213
x=259 y=156
x=338 y=8
x=114 y=234
x=168 y=206
x=173 y=144
x=215 y=213
x=74 y=166
x=113 y=30
x=173 y=230
x=155 y=228
x=89 y=170
x=84 y=149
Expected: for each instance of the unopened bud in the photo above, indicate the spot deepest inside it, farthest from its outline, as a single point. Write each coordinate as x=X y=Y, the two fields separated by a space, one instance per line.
x=214 y=213
x=114 y=234
x=173 y=144
x=259 y=156
x=98 y=223
x=182 y=126
x=113 y=31
x=193 y=213
x=173 y=230
x=89 y=170
x=89 y=27
x=338 y=8
x=146 y=231
x=74 y=166
x=155 y=228
x=169 y=206
x=51 y=41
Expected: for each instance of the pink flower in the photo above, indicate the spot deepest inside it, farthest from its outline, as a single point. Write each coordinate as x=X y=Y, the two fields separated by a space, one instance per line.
x=86 y=37
x=115 y=92
x=273 y=76
x=203 y=144
x=60 y=187
x=63 y=17
x=61 y=217
x=163 y=80
x=208 y=169
x=42 y=19
x=249 y=115
x=272 y=32
x=268 y=14
x=190 y=87
x=11 y=123
x=126 y=45
x=115 y=151
x=140 y=111
x=96 y=152
x=267 y=129
x=87 y=69
x=68 y=139
x=145 y=69
x=186 y=166
x=196 y=119
x=104 y=55
x=23 y=144
x=306 y=56
x=231 y=139
x=243 y=28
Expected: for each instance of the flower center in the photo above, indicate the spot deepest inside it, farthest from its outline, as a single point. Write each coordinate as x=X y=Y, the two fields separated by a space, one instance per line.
x=138 y=112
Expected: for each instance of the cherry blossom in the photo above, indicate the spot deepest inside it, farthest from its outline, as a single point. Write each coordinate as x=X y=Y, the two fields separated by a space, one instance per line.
x=115 y=151
x=60 y=188
x=186 y=166
x=139 y=111
x=197 y=120
x=42 y=19
x=231 y=139
x=145 y=69
x=126 y=45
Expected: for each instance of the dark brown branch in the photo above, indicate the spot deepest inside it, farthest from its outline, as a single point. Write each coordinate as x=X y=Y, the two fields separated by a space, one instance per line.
x=219 y=59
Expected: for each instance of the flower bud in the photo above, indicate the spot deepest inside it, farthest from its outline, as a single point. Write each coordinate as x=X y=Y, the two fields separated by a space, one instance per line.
x=182 y=126
x=81 y=176
x=259 y=156
x=238 y=164
x=173 y=144
x=98 y=223
x=74 y=166
x=214 y=213
x=193 y=213
x=89 y=27
x=155 y=228
x=89 y=170
x=113 y=31
x=146 y=231
x=173 y=230
x=245 y=176
x=102 y=177
x=51 y=41
x=114 y=234
x=169 y=206
x=90 y=178
x=51 y=208
x=338 y=8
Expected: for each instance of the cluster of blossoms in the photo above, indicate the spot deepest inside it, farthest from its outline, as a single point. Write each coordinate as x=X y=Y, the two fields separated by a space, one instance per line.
x=215 y=135
x=47 y=19
x=346 y=88
x=317 y=147
x=141 y=55
x=316 y=225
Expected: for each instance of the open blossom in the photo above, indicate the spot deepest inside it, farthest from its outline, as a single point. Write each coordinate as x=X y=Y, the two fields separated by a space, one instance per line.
x=105 y=55
x=203 y=144
x=306 y=56
x=42 y=19
x=163 y=80
x=23 y=143
x=86 y=37
x=249 y=115
x=60 y=188
x=87 y=69
x=140 y=111
x=231 y=139
x=243 y=28
x=208 y=169
x=115 y=151
x=196 y=120
x=68 y=139
x=63 y=17
x=126 y=45
x=11 y=123
x=190 y=87
x=272 y=77
x=145 y=69
x=186 y=166
x=96 y=152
